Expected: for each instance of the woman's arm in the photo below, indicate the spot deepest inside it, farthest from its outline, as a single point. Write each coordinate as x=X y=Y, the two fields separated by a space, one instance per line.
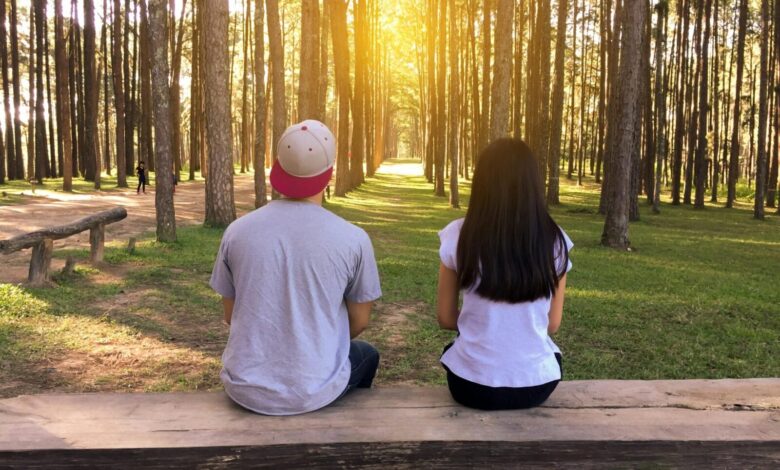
x=556 y=307
x=447 y=303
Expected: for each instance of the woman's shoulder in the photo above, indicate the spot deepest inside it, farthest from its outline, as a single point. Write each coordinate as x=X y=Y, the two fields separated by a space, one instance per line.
x=452 y=229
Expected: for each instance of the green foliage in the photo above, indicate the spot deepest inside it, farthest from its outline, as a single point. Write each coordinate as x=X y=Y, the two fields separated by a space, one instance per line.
x=16 y=302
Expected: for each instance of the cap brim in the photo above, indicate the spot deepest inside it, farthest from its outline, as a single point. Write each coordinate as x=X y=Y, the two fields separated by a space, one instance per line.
x=296 y=186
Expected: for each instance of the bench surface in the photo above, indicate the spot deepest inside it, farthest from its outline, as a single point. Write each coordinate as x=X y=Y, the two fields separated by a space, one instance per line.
x=742 y=414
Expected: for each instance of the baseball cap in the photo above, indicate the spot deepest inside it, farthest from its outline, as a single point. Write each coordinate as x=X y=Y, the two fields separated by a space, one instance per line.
x=304 y=159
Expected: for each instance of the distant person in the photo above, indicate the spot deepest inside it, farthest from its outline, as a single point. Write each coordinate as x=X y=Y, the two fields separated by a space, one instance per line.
x=140 y=170
x=297 y=283
x=175 y=181
x=510 y=259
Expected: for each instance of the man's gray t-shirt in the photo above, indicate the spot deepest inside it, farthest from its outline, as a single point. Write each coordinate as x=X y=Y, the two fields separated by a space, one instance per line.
x=290 y=266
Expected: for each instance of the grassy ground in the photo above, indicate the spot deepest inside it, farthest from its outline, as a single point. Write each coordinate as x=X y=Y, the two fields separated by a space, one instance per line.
x=697 y=297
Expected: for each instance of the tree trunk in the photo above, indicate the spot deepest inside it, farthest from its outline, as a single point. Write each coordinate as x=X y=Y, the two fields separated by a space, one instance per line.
x=277 y=75
x=19 y=162
x=761 y=163
x=145 y=140
x=439 y=132
x=119 y=96
x=128 y=79
x=91 y=98
x=454 y=111
x=660 y=101
x=220 y=206
x=10 y=147
x=502 y=70
x=177 y=41
x=258 y=157
x=196 y=110
x=616 y=223
x=338 y=22
x=163 y=197
x=735 y=131
x=359 y=99
x=308 y=81
x=556 y=122
x=701 y=157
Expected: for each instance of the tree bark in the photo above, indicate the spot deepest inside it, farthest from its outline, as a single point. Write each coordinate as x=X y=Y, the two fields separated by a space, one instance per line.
x=258 y=157
x=18 y=161
x=277 y=75
x=163 y=194
x=660 y=101
x=735 y=131
x=615 y=233
x=220 y=206
x=10 y=148
x=454 y=111
x=91 y=98
x=338 y=22
x=557 y=108
x=701 y=150
x=439 y=131
x=499 y=116
x=359 y=99
x=308 y=81
x=119 y=96
x=761 y=163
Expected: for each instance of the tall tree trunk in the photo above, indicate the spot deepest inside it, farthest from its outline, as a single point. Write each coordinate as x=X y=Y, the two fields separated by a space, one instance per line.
x=163 y=197
x=735 y=131
x=499 y=116
x=616 y=223
x=484 y=131
x=177 y=40
x=145 y=140
x=91 y=92
x=220 y=206
x=454 y=111
x=196 y=110
x=277 y=76
x=19 y=162
x=761 y=163
x=556 y=122
x=308 y=81
x=439 y=131
x=258 y=157
x=55 y=143
x=322 y=88
x=129 y=98
x=660 y=101
x=701 y=161
x=42 y=166
x=359 y=99
x=119 y=96
x=338 y=22
x=10 y=147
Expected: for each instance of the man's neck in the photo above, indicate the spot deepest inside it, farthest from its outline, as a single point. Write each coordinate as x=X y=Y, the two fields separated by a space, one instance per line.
x=316 y=199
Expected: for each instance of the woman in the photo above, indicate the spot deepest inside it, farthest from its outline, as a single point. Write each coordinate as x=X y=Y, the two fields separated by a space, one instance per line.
x=510 y=259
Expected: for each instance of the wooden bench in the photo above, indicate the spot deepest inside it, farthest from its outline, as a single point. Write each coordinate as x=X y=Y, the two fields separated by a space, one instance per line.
x=710 y=423
x=42 y=242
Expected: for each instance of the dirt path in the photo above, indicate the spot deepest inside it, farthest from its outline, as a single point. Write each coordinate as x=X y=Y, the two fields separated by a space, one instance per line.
x=50 y=208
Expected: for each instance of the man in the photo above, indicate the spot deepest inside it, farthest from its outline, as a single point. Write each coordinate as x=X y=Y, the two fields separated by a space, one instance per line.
x=297 y=283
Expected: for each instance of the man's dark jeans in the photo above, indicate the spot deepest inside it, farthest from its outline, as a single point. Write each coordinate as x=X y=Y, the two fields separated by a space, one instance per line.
x=364 y=359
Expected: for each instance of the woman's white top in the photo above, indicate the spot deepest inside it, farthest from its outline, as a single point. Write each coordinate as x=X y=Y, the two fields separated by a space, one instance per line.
x=500 y=344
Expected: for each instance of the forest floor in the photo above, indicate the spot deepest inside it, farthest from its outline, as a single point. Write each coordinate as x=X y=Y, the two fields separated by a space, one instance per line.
x=696 y=298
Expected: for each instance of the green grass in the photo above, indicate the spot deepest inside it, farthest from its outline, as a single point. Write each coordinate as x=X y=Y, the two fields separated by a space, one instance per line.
x=696 y=298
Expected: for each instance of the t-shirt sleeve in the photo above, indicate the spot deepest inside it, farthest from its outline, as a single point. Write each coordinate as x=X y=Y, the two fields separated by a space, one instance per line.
x=364 y=285
x=448 y=249
x=221 y=275
x=559 y=255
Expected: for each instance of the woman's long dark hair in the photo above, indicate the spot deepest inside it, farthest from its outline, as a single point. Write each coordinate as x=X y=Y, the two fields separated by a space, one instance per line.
x=508 y=241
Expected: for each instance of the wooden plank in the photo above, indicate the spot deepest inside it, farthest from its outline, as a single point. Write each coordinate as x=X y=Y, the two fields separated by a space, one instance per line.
x=427 y=454
x=28 y=240
x=40 y=262
x=398 y=414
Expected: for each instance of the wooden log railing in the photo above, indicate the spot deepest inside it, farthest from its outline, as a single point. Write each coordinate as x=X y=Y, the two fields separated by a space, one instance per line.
x=42 y=241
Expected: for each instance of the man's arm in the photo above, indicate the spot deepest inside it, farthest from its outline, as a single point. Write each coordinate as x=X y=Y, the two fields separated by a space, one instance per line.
x=358 y=317
x=227 y=304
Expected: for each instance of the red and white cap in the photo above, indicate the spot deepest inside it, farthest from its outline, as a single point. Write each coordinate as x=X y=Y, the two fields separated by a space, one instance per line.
x=304 y=160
